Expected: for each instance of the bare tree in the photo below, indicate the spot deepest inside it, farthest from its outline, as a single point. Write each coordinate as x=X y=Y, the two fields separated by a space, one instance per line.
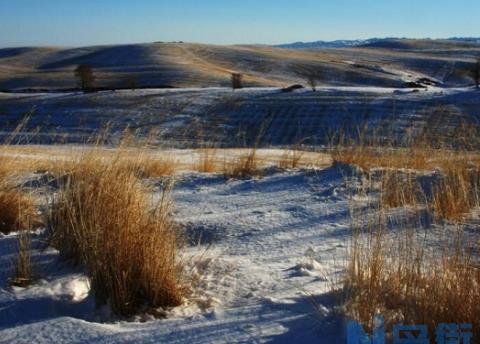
x=237 y=81
x=84 y=73
x=312 y=74
x=131 y=81
x=474 y=72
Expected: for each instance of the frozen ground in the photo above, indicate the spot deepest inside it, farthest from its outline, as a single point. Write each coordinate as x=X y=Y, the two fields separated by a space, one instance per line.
x=267 y=253
x=187 y=118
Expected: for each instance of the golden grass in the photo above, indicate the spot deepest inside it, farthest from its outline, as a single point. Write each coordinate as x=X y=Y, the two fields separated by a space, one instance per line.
x=102 y=219
x=207 y=161
x=400 y=274
x=407 y=283
x=152 y=163
x=246 y=165
x=387 y=157
x=17 y=209
x=400 y=189
x=456 y=193
x=146 y=167
x=290 y=159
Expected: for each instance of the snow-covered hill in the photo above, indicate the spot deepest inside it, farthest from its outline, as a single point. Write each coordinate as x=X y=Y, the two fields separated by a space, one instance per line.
x=345 y=43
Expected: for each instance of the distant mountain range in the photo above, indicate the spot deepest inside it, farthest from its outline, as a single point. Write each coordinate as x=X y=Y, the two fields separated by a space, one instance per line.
x=364 y=42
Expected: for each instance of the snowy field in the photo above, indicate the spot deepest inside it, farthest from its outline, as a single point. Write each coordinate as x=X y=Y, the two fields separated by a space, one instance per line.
x=267 y=253
x=189 y=118
x=264 y=253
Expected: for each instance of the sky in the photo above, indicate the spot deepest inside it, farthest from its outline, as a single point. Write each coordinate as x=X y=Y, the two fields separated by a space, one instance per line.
x=94 y=22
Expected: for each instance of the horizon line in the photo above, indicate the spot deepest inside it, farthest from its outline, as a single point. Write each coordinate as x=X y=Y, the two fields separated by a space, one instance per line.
x=48 y=45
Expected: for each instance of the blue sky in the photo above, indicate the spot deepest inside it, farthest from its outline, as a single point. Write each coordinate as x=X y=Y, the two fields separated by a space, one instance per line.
x=89 y=22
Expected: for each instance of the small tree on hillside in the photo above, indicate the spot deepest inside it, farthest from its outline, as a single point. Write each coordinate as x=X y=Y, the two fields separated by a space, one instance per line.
x=474 y=73
x=131 y=81
x=84 y=73
x=311 y=74
x=237 y=81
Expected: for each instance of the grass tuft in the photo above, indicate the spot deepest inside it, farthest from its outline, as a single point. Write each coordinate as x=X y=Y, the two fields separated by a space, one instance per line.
x=102 y=219
x=290 y=159
x=408 y=283
x=245 y=166
x=207 y=161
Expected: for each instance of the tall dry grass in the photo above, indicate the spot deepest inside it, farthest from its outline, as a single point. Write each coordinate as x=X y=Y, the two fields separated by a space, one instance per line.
x=290 y=159
x=207 y=160
x=406 y=281
x=458 y=192
x=246 y=165
x=145 y=166
x=17 y=207
x=103 y=218
x=408 y=275
x=455 y=190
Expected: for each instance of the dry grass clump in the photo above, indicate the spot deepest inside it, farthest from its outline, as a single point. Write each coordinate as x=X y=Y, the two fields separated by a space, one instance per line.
x=407 y=283
x=375 y=157
x=244 y=166
x=18 y=213
x=102 y=219
x=457 y=193
x=17 y=209
x=452 y=194
x=290 y=159
x=207 y=161
x=151 y=167
x=400 y=189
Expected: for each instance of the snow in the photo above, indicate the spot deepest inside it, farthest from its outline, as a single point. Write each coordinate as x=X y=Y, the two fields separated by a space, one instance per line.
x=188 y=118
x=264 y=255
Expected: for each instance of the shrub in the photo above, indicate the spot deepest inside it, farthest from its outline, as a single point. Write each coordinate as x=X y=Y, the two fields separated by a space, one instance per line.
x=237 y=81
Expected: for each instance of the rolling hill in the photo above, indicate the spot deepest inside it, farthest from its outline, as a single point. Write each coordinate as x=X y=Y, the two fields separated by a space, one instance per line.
x=388 y=63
